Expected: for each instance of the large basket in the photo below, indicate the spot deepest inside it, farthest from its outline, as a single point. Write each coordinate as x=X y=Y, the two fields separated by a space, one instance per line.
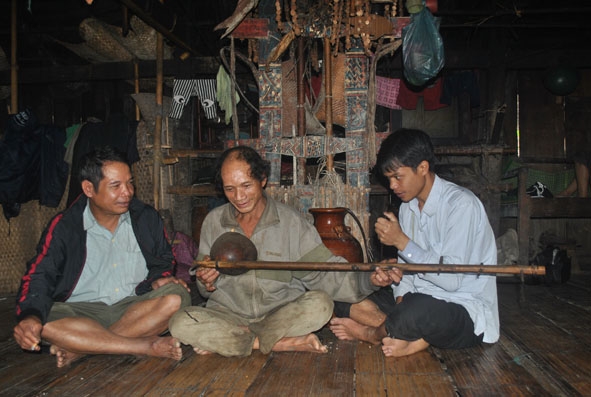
x=339 y=104
x=105 y=43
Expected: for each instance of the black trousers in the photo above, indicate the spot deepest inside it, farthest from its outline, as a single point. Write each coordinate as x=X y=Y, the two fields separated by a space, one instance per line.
x=440 y=323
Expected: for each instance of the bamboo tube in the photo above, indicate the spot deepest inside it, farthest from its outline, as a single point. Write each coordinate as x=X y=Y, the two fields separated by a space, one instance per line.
x=370 y=267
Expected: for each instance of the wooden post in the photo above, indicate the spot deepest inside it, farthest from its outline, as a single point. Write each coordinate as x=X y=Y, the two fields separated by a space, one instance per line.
x=523 y=217
x=328 y=98
x=300 y=171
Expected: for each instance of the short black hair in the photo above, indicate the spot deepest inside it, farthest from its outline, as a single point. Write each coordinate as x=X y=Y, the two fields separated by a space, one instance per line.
x=91 y=164
x=259 y=168
x=405 y=148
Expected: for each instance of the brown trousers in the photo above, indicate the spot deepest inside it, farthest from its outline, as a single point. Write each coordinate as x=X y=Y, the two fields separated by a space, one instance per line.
x=227 y=333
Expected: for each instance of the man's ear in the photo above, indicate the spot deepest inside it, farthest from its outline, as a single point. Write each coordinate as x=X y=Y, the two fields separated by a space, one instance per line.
x=423 y=167
x=264 y=182
x=87 y=188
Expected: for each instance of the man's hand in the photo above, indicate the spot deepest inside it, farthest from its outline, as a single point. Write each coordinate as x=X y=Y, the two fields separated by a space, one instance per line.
x=27 y=333
x=167 y=280
x=207 y=276
x=389 y=232
x=382 y=278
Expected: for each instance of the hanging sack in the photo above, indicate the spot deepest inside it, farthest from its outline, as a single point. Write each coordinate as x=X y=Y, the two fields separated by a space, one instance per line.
x=422 y=48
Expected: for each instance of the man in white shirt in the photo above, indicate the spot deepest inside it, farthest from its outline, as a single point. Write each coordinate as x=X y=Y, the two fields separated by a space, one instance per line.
x=438 y=221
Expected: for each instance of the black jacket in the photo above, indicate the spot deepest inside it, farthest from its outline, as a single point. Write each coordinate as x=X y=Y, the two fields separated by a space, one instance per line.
x=61 y=254
x=32 y=165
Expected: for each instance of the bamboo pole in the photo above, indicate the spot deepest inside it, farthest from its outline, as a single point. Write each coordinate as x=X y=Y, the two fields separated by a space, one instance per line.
x=158 y=127
x=13 y=61
x=370 y=267
x=235 y=121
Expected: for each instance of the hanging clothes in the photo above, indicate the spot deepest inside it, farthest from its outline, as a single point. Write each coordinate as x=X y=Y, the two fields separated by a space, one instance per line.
x=224 y=86
x=32 y=165
x=431 y=95
x=183 y=90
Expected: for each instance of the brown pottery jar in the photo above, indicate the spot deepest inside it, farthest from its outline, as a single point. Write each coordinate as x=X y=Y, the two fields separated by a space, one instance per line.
x=330 y=223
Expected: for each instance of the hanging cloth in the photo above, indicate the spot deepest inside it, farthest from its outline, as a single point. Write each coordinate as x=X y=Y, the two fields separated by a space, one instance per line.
x=387 y=91
x=183 y=90
x=224 y=87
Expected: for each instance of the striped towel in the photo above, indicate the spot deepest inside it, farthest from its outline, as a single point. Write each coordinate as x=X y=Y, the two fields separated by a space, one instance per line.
x=183 y=90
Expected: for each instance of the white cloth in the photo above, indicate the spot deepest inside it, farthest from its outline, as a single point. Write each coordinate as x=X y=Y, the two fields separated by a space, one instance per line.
x=453 y=225
x=183 y=90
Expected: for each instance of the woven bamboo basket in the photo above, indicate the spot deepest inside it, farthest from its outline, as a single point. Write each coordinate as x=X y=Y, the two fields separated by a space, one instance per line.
x=339 y=103
x=105 y=43
x=19 y=239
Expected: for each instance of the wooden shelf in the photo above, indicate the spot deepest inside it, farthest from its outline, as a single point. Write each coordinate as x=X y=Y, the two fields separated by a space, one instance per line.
x=194 y=153
x=463 y=150
x=194 y=190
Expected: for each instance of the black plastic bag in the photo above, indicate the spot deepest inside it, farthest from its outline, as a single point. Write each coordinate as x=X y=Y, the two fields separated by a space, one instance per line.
x=422 y=48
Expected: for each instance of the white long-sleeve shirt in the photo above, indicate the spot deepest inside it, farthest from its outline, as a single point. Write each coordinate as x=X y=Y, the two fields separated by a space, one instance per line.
x=452 y=225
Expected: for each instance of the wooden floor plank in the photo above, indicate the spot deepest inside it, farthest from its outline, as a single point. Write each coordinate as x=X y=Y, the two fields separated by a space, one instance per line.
x=369 y=370
x=418 y=375
x=205 y=374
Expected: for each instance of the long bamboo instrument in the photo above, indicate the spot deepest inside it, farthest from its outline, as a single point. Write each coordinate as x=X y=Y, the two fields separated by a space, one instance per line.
x=370 y=267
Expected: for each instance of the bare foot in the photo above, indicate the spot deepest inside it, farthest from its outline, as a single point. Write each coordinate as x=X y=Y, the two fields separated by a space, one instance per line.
x=399 y=348
x=306 y=343
x=64 y=357
x=348 y=329
x=167 y=347
x=201 y=352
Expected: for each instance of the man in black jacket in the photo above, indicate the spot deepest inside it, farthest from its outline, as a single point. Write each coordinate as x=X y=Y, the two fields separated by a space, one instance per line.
x=101 y=281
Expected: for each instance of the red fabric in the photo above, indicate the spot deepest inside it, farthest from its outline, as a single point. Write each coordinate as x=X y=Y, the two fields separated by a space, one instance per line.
x=387 y=91
x=408 y=98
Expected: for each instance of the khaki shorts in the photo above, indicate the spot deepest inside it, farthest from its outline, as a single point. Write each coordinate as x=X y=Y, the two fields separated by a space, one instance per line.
x=107 y=315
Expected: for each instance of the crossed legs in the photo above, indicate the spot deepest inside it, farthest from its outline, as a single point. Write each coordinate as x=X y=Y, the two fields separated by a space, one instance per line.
x=418 y=321
x=136 y=332
x=288 y=328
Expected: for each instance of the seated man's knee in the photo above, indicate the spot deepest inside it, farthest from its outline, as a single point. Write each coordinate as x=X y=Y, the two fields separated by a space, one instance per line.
x=173 y=302
x=184 y=297
x=322 y=301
